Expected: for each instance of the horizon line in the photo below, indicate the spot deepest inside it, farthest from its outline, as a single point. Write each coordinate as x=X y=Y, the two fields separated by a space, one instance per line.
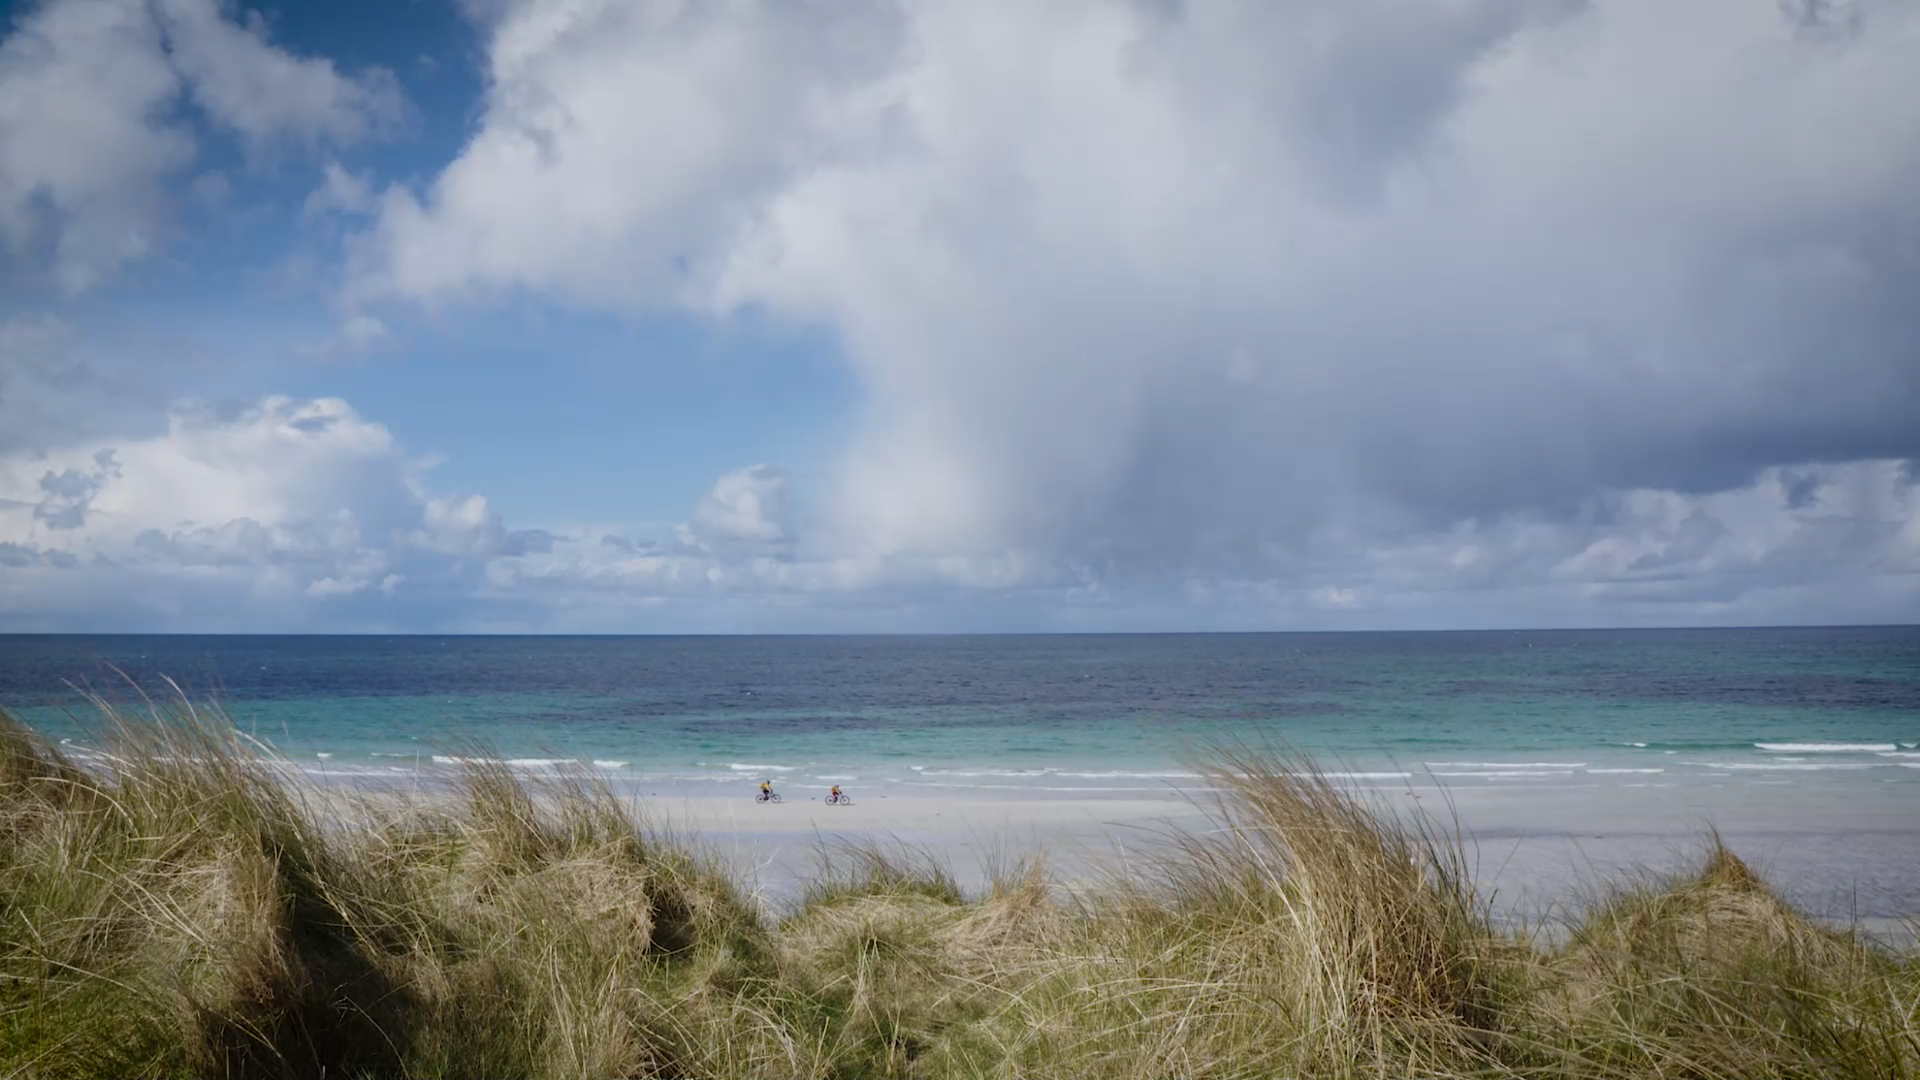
x=946 y=633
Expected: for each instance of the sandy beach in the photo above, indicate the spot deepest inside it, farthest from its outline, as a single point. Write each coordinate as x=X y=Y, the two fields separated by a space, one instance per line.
x=1537 y=850
x=761 y=939
x=777 y=845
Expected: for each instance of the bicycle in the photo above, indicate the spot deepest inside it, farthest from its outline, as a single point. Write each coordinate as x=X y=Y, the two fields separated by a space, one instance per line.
x=767 y=796
x=840 y=800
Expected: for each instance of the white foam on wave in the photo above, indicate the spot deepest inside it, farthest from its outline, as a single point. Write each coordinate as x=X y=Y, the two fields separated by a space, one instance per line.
x=924 y=771
x=1358 y=775
x=1503 y=773
x=1824 y=747
x=1138 y=775
x=380 y=772
x=1641 y=745
x=1506 y=764
x=1898 y=753
x=842 y=779
x=1599 y=772
x=512 y=763
x=1784 y=766
x=750 y=767
x=1076 y=790
x=527 y=763
x=1055 y=771
x=323 y=755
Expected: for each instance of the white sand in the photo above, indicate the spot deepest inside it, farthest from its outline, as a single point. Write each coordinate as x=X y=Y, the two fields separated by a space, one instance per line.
x=714 y=816
x=777 y=845
x=1841 y=853
x=1846 y=853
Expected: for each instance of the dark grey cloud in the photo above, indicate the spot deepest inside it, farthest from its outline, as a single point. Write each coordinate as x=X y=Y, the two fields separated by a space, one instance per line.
x=527 y=542
x=627 y=545
x=12 y=554
x=54 y=391
x=1802 y=490
x=240 y=542
x=67 y=495
x=1695 y=537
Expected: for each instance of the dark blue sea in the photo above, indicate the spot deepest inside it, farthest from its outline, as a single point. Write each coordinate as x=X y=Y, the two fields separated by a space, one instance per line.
x=1035 y=713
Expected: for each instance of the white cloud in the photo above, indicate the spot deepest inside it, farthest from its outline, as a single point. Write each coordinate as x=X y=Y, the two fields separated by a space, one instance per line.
x=275 y=462
x=363 y=331
x=1223 y=314
x=291 y=514
x=287 y=514
x=245 y=83
x=1152 y=292
x=659 y=124
x=459 y=526
x=746 y=506
x=84 y=143
x=340 y=191
x=1638 y=557
x=268 y=501
x=92 y=134
x=1753 y=549
x=324 y=588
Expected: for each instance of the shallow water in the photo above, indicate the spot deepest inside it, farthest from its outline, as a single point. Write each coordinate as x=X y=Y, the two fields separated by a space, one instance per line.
x=1568 y=757
x=1048 y=715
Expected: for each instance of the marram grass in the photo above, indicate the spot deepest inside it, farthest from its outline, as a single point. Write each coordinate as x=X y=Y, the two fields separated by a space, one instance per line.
x=183 y=908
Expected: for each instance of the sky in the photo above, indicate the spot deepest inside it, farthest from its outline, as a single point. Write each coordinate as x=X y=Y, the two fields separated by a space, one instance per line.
x=612 y=316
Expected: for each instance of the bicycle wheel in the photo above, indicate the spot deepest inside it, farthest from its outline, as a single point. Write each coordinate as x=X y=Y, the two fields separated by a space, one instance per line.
x=776 y=798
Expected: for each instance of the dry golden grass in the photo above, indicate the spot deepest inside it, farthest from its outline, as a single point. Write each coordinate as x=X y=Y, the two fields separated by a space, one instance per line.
x=183 y=909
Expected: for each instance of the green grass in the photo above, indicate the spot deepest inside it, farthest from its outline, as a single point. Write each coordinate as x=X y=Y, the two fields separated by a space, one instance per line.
x=182 y=909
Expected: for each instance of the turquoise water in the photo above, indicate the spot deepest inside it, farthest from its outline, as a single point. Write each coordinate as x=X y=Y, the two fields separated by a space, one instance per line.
x=1049 y=714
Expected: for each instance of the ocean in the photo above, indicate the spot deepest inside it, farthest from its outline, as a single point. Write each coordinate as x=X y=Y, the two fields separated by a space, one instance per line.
x=1040 y=716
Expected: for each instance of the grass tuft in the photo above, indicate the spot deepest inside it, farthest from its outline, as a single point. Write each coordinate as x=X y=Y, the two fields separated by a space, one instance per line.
x=184 y=905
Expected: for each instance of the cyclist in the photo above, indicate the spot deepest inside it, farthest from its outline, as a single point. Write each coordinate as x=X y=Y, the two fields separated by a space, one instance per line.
x=834 y=795
x=766 y=789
